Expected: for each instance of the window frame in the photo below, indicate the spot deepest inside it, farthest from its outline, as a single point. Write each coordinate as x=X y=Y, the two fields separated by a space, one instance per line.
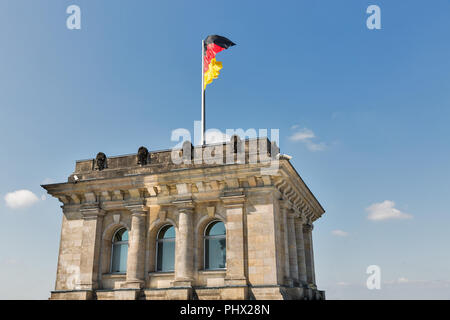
x=112 y=250
x=207 y=237
x=164 y=240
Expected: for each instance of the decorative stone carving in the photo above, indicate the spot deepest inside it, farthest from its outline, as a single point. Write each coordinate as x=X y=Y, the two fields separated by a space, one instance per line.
x=236 y=143
x=142 y=156
x=100 y=161
x=187 y=150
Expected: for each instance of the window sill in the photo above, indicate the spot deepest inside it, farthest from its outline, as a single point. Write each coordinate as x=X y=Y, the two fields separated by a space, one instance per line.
x=114 y=275
x=161 y=273
x=213 y=271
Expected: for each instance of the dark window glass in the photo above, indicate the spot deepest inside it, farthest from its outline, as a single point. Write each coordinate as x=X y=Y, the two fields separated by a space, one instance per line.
x=215 y=246
x=165 y=246
x=120 y=251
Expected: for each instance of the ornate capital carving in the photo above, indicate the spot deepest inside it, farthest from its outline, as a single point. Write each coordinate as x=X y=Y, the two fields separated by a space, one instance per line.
x=285 y=204
x=308 y=227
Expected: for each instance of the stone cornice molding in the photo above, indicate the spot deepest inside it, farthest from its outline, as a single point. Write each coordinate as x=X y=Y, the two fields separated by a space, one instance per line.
x=201 y=184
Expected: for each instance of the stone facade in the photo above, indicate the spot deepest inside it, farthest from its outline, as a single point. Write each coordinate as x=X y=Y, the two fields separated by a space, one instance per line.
x=267 y=209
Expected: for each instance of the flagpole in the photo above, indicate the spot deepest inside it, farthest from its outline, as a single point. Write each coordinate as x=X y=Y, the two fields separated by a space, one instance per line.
x=203 y=94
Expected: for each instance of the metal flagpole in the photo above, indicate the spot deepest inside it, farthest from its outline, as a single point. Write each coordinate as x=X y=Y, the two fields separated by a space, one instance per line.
x=203 y=94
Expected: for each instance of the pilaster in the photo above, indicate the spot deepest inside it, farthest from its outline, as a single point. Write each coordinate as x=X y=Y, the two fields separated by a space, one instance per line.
x=235 y=261
x=285 y=207
x=92 y=217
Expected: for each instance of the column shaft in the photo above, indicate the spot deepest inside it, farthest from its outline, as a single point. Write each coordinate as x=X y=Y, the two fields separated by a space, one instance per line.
x=184 y=248
x=293 y=263
x=309 y=254
x=136 y=248
x=300 y=251
x=286 y=263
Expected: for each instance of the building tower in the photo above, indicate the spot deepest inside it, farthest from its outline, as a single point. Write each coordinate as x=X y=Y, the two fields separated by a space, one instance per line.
x=236 y=224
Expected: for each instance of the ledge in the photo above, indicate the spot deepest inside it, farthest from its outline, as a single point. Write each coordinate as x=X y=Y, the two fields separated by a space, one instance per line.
x=114 y=275
x=161 y=274
x=216 y=271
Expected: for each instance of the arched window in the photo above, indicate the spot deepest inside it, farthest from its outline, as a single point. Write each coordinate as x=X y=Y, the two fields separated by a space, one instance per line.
x=165 y=249
x=215 y=246
x=119 y=251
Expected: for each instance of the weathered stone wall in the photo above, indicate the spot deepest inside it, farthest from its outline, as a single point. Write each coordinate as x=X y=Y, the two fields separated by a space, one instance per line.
x=68 y=271
x=268 y=217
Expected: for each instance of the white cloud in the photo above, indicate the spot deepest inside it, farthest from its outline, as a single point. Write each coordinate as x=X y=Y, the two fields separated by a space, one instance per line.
x=315 y=146
x=20 y=199
x=339 y=233
x=385 y=210
x=302 y=135
x=305 y=136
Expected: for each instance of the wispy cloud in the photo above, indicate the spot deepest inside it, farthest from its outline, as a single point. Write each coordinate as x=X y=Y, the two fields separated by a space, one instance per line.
x=20 y=199
x=384 y=211
x=48 y=181
x=303 y=135
x=339 y=233
x=306 y=136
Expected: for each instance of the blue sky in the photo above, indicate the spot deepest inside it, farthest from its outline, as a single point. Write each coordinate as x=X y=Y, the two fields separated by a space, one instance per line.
x=364 y=114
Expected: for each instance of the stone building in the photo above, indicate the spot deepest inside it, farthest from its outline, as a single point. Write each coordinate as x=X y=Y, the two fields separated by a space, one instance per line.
x=235 y=225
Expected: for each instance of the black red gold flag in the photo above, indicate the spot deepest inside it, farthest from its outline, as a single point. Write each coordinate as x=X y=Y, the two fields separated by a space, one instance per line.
x=212 y=45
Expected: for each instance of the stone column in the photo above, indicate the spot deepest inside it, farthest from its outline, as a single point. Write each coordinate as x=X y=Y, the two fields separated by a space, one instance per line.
x=136 y=248
x=235 y=263
x=184 y=245
x=300 y=251
x=92 y=217
x=284 y=207
x=293 y=263
x=309 y=254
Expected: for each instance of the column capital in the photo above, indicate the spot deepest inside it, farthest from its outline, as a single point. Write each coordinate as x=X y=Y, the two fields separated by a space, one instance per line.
x=285 y=204
x=184 y=205
x=91 y=211
x=308 y=227
x=137 y=208
x=233 y=200
x=301 y=218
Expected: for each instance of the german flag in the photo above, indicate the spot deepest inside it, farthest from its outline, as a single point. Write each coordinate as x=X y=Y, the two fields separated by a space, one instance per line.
x=212 y=45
